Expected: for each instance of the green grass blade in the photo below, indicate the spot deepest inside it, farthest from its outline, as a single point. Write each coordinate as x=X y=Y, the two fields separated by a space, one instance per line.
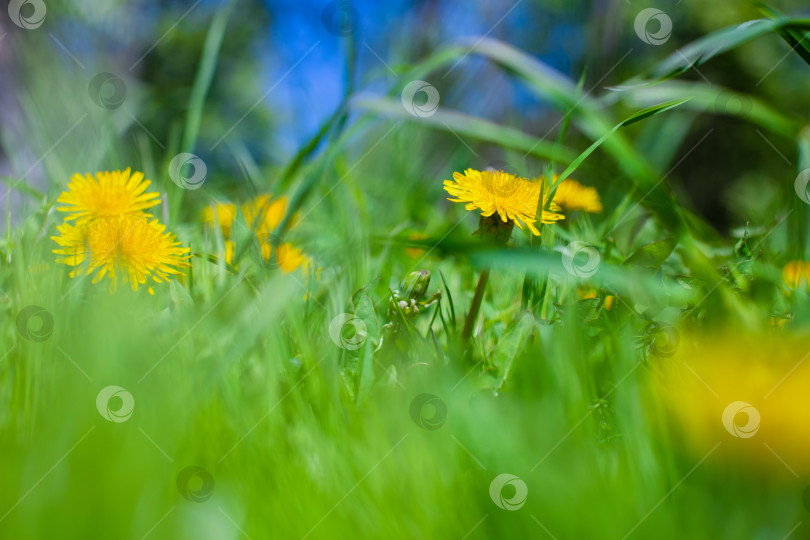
x=470 y=126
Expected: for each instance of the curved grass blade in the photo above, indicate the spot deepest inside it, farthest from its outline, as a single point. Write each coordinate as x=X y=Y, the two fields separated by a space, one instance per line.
x=471 y=126
x=702 y=50
x=632 y=119
x=711 y=98
x=795 y=38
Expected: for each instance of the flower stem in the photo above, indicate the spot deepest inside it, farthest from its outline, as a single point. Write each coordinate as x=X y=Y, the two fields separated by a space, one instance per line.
x=469 y=323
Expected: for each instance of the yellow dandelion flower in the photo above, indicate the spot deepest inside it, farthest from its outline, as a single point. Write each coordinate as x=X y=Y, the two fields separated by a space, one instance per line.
x=796 y=273
x=571 y=196
x=512 y=197
x=129 y=245
x=222 y=215
x=109 y=194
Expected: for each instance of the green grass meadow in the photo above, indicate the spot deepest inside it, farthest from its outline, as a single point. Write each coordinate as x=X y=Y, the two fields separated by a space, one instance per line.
x=244 y=410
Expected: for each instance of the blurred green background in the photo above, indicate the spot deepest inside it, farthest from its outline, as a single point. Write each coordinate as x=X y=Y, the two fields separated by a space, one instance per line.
x=241 y=412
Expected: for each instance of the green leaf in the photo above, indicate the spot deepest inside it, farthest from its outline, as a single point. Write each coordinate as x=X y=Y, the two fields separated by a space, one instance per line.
x=365 y=371
x=365 y=362
x=584 y=310
x=652 y=255
x=366 y=313
x=512 y=343
x=795 y=38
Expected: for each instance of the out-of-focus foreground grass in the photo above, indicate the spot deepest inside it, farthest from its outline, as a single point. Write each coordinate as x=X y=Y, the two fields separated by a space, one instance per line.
x=244 y=410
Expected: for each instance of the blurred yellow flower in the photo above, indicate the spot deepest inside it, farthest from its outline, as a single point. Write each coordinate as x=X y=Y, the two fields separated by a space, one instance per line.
x=512 y=197
x=222 y=215
x=290 y=258
x=796 y=273
x=130 y=245
x=586 y=293
x=415 y=252
x=262 y=214
x=747 y=392
x=572 y=196
x=109 y=194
